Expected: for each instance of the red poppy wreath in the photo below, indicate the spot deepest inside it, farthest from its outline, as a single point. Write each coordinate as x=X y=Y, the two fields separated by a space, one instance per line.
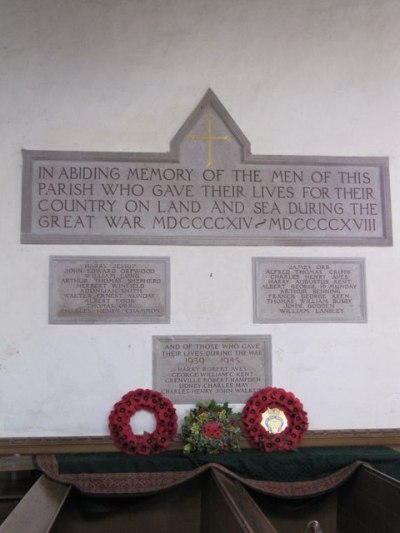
x=274 y=420
x=148 y=443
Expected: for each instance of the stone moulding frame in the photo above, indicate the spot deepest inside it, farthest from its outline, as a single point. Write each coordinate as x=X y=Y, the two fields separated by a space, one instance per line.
x=260 y=312
x=166 y=367
x=162 y=293
x=209 y=103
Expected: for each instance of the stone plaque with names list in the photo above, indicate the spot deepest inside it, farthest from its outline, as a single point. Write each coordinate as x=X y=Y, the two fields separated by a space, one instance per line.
x=309 y=290
x=207 y=190
x=109 y=290
x=188 y=369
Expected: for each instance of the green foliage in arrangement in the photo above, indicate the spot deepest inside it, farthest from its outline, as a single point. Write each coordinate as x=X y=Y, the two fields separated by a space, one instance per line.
x=211 y=428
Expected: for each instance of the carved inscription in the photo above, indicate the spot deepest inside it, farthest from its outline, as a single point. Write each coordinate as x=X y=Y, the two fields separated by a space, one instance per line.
x=108 y=290
x=208 y=190
x=309 y=290
x=189 y=369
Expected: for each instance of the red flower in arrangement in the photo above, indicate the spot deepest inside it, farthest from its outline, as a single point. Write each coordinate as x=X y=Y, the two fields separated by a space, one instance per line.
x=121 y=431
x=274 y=420
x=213 y=430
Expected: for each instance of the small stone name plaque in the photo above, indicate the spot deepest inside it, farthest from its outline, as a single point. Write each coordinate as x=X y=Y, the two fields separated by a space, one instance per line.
x=208 y=190
x=188 y=369
x=109 y=290
x=309 y=290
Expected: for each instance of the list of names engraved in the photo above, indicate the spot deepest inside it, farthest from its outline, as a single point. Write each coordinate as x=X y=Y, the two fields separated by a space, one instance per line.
x=188 y=369
x=108 y=290
x=309 y=290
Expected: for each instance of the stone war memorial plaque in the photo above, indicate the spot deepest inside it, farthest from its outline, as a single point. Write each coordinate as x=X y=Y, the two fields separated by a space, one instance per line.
x=188 y=369
x=109 y=290
x=207 y=190
x=309 y=290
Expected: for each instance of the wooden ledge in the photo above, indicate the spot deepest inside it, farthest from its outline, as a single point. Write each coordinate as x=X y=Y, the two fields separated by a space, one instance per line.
x=90 y=444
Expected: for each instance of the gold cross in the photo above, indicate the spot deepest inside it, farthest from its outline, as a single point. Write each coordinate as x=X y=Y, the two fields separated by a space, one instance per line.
x=210 y=138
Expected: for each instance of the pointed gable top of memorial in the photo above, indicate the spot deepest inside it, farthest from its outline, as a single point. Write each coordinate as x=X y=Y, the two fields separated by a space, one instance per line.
x=208 y=190
x=214 y=128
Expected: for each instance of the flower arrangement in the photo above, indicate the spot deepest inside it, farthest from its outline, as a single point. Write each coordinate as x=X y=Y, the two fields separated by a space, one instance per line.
x=211 y=428
x=274 y=420
x=148 y=443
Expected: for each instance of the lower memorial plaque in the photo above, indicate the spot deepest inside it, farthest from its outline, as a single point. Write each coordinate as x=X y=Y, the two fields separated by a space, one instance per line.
x=188 y=369
x=114 y=290
x=309 y=290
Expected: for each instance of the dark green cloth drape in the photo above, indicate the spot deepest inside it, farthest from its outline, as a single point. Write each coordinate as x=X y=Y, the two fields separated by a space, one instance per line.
x=299 y=465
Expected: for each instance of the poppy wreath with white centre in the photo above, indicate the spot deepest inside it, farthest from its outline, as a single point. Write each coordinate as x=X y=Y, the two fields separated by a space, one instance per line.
x=148 y=443
x=274 y=420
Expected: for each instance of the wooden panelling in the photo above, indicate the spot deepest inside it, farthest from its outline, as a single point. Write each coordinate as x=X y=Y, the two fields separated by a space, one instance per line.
x=173 y=511
x=38 y=509
x=369 y=503
x=293 y=515
x=227 y=506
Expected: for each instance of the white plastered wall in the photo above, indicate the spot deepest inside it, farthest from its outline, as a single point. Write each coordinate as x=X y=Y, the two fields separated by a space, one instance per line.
x=305 y=77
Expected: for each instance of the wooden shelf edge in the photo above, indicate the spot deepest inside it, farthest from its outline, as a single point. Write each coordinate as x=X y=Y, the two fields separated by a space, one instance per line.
x=96 y=444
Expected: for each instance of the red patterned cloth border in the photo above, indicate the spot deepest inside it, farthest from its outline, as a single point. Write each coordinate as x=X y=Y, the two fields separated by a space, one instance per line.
x=151 y=482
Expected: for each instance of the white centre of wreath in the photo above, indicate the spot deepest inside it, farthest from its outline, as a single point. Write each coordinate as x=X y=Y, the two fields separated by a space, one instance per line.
x=143 y=422
x=274 y=420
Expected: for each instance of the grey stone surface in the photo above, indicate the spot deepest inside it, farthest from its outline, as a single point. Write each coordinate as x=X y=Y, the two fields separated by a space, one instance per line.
x=109 y=290
x=309 y=290
x=188 y=369
x=209 y=189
